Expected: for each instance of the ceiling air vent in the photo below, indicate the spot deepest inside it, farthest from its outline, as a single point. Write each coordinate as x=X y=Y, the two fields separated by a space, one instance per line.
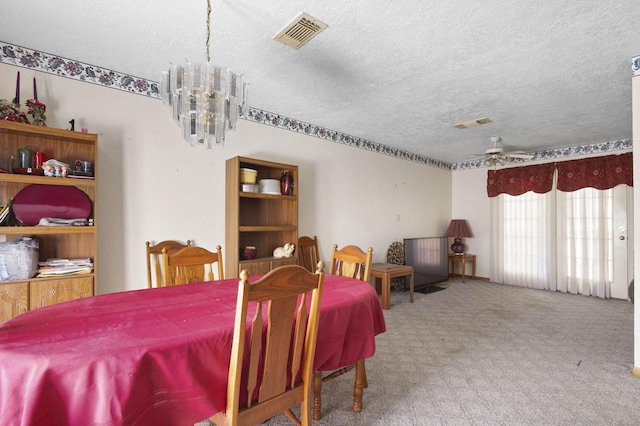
x=299 y=31
x=472 y=123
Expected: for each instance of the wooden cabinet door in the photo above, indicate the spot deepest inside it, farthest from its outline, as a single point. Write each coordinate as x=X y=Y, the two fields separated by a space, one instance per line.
x=47 y=292
x=254 y=268
x=261 y=267
x=13 y=299
x=284 y=261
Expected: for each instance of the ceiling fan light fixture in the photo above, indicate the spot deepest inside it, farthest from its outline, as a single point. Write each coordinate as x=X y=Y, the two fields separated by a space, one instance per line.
x=494 y=161
x=495 y=156
x=472 y=123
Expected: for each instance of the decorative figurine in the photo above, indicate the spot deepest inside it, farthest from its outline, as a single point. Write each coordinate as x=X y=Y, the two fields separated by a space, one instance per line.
x=55 y=168
x=286 y=251
x=48 y=170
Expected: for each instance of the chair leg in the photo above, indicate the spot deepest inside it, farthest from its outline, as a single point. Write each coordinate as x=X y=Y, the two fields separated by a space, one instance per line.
x=292 y=417
x=317 y=395
x=361 y=378
x=360 y=383
x=365 y=383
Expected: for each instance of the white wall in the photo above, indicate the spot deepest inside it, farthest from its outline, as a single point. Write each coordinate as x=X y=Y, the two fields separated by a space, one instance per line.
x=152 y=186
x=470 y=202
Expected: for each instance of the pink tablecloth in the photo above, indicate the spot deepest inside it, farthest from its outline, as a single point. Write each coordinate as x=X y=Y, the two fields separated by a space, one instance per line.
x=155 y=356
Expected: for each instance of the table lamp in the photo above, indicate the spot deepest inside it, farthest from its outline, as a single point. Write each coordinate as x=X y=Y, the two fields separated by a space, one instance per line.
x=458 y=230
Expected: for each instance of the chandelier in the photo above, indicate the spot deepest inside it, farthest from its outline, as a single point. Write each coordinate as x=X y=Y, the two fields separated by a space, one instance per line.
x=205 y=100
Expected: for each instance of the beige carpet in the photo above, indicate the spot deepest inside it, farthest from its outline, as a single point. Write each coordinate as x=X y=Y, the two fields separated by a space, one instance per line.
x=479 y=353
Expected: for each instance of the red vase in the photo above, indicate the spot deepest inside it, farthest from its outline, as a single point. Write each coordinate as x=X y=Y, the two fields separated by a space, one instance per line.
x=286 y=184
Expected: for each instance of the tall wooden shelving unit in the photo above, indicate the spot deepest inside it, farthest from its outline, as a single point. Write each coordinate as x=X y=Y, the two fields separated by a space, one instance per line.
x=55 y=242
x=264 y=221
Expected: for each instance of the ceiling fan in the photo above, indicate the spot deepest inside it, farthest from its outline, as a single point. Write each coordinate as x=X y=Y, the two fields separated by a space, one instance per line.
x=495 y=155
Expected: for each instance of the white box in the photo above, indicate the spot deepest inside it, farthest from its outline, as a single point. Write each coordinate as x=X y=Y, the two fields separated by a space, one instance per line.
x=19 y=259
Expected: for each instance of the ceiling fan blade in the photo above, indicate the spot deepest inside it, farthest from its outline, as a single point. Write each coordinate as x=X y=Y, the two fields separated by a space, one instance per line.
x=520 y=155
x=496 y=156
x=478 y=157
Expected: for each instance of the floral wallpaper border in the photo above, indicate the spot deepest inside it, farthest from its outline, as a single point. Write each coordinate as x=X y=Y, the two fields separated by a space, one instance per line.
x=282 y=122
x=57 y=65
x=63 y=67
x=552 y=154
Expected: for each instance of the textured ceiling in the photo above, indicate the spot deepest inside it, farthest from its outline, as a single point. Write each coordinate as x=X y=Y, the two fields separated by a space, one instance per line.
x=548 y=74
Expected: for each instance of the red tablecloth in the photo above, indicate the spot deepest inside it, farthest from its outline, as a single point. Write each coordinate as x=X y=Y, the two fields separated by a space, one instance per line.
x=156 y=356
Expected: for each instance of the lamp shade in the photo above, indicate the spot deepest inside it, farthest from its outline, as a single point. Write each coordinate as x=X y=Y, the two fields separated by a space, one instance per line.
x=458 y=229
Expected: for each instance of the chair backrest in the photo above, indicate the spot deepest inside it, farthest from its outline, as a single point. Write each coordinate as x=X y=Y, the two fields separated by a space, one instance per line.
x=191 y=265
x=351 y=261
x=308 y=253
x=282 y=337
x=154 y=260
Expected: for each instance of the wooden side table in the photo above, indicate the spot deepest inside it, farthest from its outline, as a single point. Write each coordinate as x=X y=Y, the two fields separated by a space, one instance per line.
x=384 y=272
x=462 y=260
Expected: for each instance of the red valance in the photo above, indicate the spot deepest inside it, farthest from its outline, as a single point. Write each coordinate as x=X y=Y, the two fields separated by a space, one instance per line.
x=518 y=180
x=597 y=172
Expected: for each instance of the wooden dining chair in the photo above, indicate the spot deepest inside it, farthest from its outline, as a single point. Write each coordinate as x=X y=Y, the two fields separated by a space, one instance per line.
x=352 y=262
x=191 y=265
x=308 y=253
x=154 y=260
x=282 y=338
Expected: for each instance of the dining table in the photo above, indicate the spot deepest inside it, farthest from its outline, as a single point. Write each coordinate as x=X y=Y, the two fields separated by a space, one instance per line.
x=154 y=356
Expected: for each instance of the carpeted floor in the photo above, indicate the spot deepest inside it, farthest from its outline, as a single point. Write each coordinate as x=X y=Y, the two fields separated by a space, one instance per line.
x=479 y=353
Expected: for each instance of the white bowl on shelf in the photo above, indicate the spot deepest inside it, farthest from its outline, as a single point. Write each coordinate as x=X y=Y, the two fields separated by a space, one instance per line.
x=269 y=186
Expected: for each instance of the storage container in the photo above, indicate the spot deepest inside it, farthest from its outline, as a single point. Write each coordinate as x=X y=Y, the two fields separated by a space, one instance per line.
x=19 y=259
x=248 y=176
x=269 y=186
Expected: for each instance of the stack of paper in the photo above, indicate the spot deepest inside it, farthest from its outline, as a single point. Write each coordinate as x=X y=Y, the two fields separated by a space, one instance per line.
x=4 y=211
x=53 y=221
x=53 y=267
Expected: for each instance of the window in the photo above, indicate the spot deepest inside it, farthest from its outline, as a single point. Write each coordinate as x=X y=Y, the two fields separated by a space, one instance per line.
x=575 y=249
x=525 y=239
x=576 y=237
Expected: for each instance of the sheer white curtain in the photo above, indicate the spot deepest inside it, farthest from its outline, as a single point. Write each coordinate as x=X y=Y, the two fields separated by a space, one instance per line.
x=523 y=242
x=586 y=226
x=560 y=241
x=573 y=238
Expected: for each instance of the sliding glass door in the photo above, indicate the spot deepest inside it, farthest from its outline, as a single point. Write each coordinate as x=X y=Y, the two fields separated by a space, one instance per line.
x=576 y=242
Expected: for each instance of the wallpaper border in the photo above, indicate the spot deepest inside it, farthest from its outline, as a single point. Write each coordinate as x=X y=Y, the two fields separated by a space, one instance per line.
x=554 y=154
x=52 y=64
x=64 y=67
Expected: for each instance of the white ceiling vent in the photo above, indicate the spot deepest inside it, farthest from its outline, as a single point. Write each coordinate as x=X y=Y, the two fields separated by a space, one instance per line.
x=472 y=123
x=299 y=31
